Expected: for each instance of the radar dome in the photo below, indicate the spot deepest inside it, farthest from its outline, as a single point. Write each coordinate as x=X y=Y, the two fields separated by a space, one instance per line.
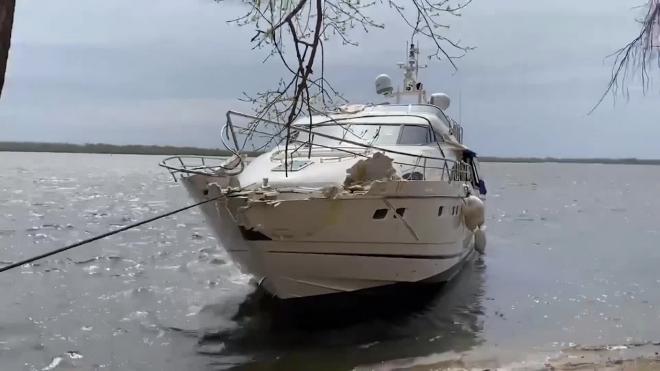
x=440 y=100
x=384 y=85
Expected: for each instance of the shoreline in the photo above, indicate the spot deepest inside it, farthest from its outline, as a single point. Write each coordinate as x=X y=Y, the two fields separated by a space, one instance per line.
x=637 y=356
x=112 y=149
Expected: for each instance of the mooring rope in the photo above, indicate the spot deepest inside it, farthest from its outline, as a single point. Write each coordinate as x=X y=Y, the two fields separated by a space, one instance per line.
x=104 y=235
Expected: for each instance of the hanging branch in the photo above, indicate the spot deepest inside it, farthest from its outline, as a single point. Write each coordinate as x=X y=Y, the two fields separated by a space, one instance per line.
x=294 y=33
x=637 y=55
x=428 y=23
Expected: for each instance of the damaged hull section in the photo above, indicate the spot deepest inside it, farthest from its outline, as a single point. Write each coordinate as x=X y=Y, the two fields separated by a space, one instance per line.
x=304 y=244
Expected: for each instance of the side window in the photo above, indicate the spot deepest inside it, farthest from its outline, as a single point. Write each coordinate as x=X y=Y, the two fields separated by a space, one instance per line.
x=414 y=135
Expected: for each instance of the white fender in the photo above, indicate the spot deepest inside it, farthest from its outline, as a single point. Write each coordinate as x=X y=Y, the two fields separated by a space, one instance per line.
x=474 y=212
x=480 y=240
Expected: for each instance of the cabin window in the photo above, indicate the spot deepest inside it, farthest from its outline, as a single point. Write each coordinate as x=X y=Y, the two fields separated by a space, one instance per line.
x=380 y=214
x=440 y=210
x=370 y=134
x=401 y=211
x=415 y=175
x=415 y=135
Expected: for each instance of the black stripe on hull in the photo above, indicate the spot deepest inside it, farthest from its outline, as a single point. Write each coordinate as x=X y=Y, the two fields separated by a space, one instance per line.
x=393 y=256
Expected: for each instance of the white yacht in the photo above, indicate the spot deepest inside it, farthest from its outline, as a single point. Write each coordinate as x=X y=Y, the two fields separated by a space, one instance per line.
x=362 y=197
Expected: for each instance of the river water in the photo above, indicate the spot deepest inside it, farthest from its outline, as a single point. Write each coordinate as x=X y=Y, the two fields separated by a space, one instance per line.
x=572 y=259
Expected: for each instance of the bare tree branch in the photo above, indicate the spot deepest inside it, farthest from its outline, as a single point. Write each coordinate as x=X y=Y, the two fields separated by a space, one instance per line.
x=295 y=32
x=637 y=55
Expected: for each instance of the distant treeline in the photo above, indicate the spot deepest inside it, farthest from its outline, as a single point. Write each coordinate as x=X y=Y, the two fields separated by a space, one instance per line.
x=627 y=161
x=172 y=150
x=110 y=149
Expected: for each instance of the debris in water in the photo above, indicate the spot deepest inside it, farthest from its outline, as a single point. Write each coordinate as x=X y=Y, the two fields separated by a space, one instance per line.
x=74 y=355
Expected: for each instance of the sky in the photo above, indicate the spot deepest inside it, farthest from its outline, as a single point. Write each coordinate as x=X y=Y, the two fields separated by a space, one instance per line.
x=165 y=72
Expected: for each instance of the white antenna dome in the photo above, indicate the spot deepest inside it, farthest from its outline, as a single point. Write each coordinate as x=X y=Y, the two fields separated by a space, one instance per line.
x=440 y=100
x=384 y=85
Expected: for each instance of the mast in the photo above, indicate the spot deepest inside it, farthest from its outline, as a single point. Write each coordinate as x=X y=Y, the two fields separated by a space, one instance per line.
x=411 y=86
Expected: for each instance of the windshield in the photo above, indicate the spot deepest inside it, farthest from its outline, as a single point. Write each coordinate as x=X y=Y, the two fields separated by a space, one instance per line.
x=370 y=134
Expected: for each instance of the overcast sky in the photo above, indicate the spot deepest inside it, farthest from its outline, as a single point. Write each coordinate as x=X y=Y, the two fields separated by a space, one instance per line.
x=165 y=71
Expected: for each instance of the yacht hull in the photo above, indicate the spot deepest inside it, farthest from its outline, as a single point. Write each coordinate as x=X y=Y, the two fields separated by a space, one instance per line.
x=309 y=247
x=302 y=274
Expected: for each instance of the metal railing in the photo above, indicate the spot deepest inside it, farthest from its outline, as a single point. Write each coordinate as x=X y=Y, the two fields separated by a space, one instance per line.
x=457 y=130
x=199 y=165
x=441 y=167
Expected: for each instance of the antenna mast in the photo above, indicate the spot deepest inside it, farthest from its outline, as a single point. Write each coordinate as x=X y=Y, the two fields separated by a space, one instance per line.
x=411 y=86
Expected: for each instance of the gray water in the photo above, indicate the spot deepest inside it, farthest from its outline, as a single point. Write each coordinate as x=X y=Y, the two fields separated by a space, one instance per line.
x=572 y=259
